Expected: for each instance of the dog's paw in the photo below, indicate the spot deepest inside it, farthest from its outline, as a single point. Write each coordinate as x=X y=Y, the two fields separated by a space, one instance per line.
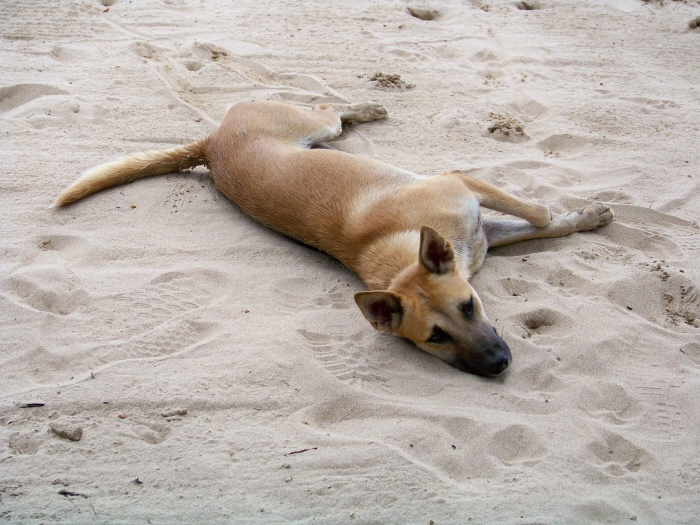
x=542 y=216
x=594 y=216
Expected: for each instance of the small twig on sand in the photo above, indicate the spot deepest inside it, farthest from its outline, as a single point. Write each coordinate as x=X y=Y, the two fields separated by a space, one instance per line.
x=300 y=451
x=68 y=494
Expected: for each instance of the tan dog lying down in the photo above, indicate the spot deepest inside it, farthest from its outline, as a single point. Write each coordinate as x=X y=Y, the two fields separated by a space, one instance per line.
x=414 y=240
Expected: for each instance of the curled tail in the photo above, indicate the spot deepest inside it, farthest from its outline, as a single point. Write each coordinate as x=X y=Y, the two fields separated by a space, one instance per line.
x=138 y=166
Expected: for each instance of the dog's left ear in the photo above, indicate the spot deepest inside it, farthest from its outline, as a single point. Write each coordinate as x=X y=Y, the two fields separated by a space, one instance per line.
x=381 y=308
x=436 y=253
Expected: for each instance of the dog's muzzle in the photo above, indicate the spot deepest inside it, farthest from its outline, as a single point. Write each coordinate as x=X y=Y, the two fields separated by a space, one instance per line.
x=490 y=358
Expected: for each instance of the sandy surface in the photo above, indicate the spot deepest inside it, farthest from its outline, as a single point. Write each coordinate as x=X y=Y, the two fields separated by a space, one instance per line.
x=222 y=374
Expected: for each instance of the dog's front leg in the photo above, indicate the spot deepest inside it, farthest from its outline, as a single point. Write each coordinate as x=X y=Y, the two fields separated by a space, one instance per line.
x=502 y=232
x=496 y=199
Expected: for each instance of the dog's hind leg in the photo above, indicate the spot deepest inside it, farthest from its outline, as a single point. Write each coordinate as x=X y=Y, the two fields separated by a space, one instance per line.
x=502 y=232
x=494 y=198
x=325 y=123
x=364 y=112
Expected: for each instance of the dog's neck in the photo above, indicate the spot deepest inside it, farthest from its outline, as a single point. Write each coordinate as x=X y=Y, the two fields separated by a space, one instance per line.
x=380 y=263
x=386 y=259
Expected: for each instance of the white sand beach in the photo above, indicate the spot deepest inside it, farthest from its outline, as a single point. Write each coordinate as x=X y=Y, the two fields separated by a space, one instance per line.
x=217 y=372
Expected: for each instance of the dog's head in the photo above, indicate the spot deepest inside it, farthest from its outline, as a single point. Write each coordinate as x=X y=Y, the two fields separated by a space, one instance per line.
x=433 y=305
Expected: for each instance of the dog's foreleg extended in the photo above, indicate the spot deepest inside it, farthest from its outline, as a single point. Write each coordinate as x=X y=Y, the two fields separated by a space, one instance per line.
x=502 y=232
x=494 y=198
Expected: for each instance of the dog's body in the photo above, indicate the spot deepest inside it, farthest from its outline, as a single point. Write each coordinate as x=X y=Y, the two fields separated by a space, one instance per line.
x=380 y=221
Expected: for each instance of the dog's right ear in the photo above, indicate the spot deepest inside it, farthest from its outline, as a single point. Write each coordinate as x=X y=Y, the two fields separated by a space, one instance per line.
x=381 y=308
x=436 y=254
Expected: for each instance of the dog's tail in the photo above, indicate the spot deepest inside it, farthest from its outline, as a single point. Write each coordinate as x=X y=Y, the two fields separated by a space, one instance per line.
x=138 y=166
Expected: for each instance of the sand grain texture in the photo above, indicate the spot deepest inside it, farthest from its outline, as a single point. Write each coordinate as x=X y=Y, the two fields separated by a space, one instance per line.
x=160 y=297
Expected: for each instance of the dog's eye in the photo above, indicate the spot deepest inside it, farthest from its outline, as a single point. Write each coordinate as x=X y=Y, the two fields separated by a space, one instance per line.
x=467 y=308
x=438 y=336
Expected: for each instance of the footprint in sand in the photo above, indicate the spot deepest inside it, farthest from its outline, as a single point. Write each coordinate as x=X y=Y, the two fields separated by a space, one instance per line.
x=337 y=296
x=66 y=244
x=13 y=97
x=613 y=196
x=148 y=51
x=486 y=55
x=163 y=341
x=153 y=321
x=675 y=236
x=447 y=448
x=350 y=358
x=47 y=22
x=77 y=53
x=517 y=444
x=517 y=287
x=656 y=388
x=682 y=304
x=24 y=443
x=666 y=295
x=399 y=53
x=299 y=293
x=615 y=456
x=652 y=103
x=645 y=103
x=209 y=78
x=541 y=321
x=668 y=298
x=151 y=433
x=170 y=295
x=50 y=289
x=565 y=145
x=157 y=319
x=610 y=403
x=40 y=105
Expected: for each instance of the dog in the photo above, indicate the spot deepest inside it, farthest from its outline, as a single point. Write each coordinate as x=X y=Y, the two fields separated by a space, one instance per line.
x=414 y=240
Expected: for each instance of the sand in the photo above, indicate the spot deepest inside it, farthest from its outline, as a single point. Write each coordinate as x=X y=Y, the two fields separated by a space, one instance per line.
x=216 y=372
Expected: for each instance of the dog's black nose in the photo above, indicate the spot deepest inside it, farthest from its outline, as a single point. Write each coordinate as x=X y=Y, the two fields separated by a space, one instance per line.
x=490 y=359
x=500 y=364
x=491 y=368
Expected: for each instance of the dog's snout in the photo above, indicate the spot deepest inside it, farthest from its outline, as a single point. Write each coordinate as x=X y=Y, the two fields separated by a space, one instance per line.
x=489 y=359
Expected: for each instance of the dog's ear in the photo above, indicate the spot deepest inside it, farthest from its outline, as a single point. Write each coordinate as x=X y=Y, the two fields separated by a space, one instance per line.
x=436 y=253
x=381 y=308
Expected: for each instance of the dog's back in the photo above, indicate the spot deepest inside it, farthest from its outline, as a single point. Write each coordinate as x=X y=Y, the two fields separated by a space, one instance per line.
x=261 y=158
